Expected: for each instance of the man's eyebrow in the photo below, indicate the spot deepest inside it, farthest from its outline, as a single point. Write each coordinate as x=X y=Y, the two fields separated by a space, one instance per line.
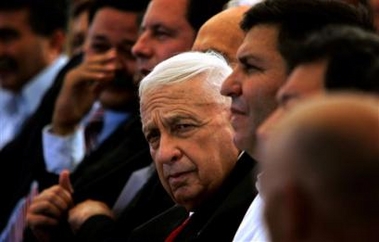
x=244 y=59
x=102 y=38
x=147 y=126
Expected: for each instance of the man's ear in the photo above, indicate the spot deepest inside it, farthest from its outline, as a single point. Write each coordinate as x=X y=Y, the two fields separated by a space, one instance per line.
x=57 y=42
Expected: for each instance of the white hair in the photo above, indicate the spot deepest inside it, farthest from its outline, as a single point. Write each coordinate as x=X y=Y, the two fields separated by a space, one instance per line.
x=184 y=67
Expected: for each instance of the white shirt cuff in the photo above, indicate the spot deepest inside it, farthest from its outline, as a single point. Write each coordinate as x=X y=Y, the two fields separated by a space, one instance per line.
x=62 y=152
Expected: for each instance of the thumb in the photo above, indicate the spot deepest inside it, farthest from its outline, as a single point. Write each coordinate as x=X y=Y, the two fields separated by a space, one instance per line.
x=64 y=181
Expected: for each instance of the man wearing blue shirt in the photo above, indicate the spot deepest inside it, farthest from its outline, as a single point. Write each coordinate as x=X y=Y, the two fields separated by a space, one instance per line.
x=31 y=54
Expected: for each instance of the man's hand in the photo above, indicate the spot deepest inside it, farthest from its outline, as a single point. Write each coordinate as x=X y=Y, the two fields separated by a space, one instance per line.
x=81 y=212
x=81 y=87
x=49 y=207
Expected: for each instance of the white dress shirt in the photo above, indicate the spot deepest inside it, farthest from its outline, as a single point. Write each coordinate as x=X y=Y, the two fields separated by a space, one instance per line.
x=253 y=227
x=66 y=152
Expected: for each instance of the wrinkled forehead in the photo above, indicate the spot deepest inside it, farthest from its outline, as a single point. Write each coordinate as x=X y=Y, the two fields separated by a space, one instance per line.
x=181 y=98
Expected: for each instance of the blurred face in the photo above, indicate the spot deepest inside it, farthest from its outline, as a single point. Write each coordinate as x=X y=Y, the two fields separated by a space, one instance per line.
x=190 y=140
x=164 y=33
x=275 y=185
x=304 y=81
x=79 y=27
x=114 y=29
x=253 y=84
x=23 y=53
x=211 y=35
x=374 y=5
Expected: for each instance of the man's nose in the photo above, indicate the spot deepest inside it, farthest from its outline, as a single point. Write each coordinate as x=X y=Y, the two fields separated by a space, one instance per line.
x=168 y=150
x=142 y=47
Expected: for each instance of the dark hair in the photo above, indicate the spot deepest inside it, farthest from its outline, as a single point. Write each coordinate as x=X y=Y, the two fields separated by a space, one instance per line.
x=80 y=7
x=296 y=19
x=45 y=16
x=352 y=54
x=199 y=11
x=137 y=6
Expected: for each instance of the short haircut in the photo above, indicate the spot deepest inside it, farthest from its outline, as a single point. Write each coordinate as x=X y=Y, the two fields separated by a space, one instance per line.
x=137 y=6
x=45 y=16
x=80 y=7
x=185 y=66
x=296 y=19
x=352 y=56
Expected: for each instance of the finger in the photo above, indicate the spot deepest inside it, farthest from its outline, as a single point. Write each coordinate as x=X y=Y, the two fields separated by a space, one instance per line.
x=103 y=58
x=45 y=209
x=38 y=221
x=64 y=181
x=52 y=203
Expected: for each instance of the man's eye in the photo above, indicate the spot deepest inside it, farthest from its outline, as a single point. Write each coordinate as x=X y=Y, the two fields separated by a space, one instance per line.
x=152 y=137
x=250 y=68
x=161 y=34
x=183 y=127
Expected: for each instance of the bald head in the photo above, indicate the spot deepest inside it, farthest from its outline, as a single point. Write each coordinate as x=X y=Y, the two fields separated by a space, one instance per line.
x=348 y=120
x=324 y=158
x=222 y=33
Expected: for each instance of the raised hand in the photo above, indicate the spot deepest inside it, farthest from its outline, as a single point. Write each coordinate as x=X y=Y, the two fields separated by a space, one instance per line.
x=49 y=207
x=81 y=88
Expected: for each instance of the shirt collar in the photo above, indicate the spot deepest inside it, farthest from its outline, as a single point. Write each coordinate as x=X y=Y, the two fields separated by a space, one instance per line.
x=31 y=94
x=41 y=82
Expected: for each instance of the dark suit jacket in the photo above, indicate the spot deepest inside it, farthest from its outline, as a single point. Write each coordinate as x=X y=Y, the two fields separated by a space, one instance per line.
x=217 y=220
x=20 y=158
x=149 y=202
x=101 y=175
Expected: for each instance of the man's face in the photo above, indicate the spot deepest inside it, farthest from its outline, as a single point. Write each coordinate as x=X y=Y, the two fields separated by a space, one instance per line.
x=164 y=32
x=118 y=30
x=23 y=53
x=253 y=84
x=274 y=184
x=304 y=81
x=191 y=140
x=79 y=27
x=374 y=5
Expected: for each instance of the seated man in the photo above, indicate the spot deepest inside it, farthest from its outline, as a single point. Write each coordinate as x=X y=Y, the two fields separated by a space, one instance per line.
x=320 y=171
x=338 y=57
x=104 y=78
x=272 y=33
x=317 y=68
x=179 y=26
x=186 y=123
x=31 y=56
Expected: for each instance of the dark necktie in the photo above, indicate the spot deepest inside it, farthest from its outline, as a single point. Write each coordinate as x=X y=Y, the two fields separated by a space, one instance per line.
x=171 y=237
x=93 y=129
